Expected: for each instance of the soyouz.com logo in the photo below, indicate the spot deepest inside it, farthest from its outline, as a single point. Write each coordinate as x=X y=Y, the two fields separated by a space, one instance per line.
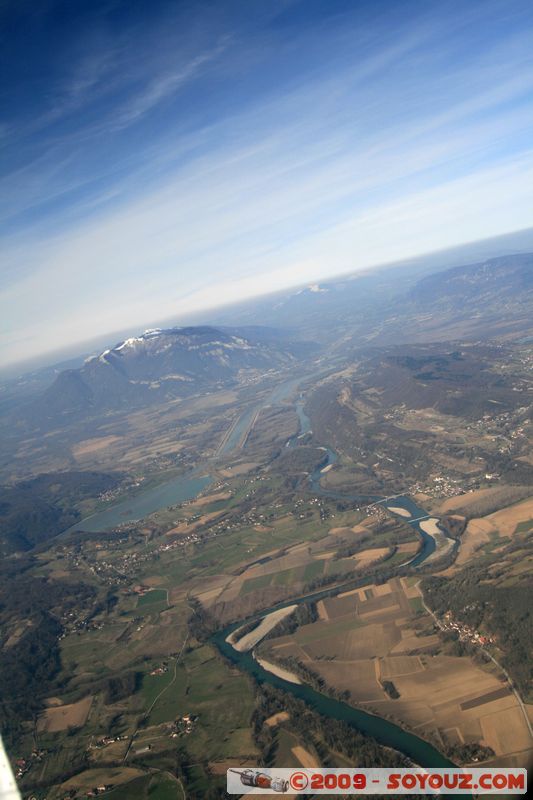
x=254 y=780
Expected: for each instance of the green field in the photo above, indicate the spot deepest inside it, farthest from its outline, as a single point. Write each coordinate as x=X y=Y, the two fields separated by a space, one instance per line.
x=223 y=552
x=164 y=787
x=221 y=698
x=524 y=527
x=288 y=576
x=152 y=685
x=313 y=570
x=154 y=596
x=416 y=603
x=252 y=584
x=136 y=789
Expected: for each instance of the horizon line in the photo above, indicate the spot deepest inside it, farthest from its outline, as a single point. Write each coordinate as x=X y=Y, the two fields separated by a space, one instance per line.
x=49 y=359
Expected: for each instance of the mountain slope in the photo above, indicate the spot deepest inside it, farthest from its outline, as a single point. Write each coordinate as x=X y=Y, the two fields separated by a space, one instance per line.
x=398 y=303
x=162 y=364
x=31 y=512
x=495 y=280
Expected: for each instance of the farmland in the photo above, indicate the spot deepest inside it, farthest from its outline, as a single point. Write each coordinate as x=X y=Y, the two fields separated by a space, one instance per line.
x=138 y=697
x=380 y=634
x=61 y=717
x=362 y=640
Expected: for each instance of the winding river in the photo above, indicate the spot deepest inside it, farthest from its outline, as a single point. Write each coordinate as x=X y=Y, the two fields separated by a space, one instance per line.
x=412 y=514
x=187 y=487
x=382 y=730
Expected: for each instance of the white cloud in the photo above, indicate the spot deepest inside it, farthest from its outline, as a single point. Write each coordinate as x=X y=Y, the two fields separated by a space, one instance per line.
x=495 y=200
x=355 y=168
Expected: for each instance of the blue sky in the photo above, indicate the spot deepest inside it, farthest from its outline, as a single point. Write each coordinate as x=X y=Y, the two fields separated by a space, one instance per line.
x=164 y=157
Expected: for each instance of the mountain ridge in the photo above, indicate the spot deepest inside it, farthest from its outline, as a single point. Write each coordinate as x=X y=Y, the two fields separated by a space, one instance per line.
x=163 y=364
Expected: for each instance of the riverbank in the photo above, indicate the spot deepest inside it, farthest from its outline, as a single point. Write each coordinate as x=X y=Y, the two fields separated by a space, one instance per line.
x=275 y=669
x=385 y=732
x=268 y=623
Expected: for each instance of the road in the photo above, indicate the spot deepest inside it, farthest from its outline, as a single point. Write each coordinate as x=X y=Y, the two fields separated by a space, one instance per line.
x=161 y=693
x=509 y=679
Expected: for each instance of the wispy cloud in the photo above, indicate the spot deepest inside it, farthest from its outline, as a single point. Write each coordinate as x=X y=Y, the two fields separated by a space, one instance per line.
x=255 y=181
x=162 y=87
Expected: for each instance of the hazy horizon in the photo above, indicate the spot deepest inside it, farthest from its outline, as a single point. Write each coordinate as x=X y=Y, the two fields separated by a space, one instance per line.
x=171 y=158
x=491 y=247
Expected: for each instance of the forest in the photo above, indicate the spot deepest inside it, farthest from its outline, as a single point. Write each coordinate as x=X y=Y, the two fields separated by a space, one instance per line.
x=502 y=611
x=33 y=511
x=30 y=620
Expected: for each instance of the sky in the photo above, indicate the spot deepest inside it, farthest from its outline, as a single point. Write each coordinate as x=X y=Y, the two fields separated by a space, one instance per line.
x=158 y=158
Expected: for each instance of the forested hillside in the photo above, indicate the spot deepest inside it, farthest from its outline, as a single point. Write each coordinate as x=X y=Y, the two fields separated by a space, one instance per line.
x=34 y=511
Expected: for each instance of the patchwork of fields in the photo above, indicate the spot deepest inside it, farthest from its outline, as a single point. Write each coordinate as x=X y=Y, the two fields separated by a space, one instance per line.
x=296 y=566
x=364 y=642
x=377 y=636
x=492 y=532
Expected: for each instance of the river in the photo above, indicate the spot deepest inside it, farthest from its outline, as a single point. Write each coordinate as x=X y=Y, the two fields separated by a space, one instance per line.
x=403 y=502
x=188 y=486
x=382 y=730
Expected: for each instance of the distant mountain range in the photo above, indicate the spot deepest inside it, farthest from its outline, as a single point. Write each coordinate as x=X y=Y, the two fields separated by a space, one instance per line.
x=489 y=300
x=508 y=278
x=163 y=364
x=381 y=305
x=486 y=300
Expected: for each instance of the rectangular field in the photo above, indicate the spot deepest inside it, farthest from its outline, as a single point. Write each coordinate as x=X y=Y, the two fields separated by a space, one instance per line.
x=382 y=633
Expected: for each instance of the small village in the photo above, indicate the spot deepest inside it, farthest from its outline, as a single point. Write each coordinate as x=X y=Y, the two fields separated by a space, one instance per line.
x=465 y=632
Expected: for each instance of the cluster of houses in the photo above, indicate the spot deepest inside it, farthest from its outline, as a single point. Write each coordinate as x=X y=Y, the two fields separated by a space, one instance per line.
x=22 y=765
x=376 y=512
x=107 y=740
x=503 y=428
x=465 y=632
x=108 y=572
x=113 y=494
x=441 y=486
x=183 y=725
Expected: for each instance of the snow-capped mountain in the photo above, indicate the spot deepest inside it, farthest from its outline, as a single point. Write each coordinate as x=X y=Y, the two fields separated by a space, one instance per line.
x=163 y=364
